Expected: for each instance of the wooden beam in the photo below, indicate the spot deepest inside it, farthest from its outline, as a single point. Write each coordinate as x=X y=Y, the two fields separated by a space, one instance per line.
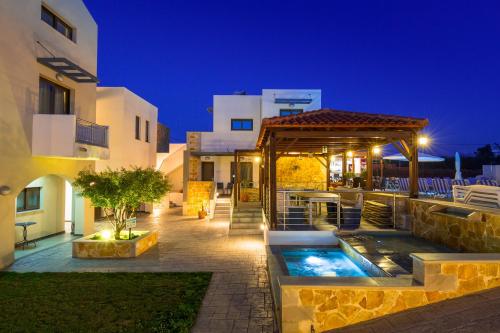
x=413 y=188
x=320 y=161
x=327 y=171
x=344 y=167
x=236 y=195
x=369 y=169
x=401 y=149
x=272 y=181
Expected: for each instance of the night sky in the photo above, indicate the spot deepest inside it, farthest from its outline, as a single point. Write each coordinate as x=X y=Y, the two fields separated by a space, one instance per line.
x=433 y=59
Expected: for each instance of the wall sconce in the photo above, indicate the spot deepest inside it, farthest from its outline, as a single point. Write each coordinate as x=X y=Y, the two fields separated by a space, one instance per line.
x=4 y=190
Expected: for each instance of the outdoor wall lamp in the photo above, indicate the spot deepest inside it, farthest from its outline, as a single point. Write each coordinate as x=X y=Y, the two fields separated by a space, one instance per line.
x=4 y=190
x=376 y=150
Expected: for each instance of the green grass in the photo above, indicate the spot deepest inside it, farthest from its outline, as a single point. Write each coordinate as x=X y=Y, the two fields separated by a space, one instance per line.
x=100 y=302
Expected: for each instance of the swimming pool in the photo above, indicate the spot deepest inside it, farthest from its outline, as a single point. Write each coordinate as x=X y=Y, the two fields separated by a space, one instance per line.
x=320 y=262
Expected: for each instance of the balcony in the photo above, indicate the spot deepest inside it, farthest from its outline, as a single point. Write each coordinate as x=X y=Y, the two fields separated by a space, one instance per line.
x=66 y=136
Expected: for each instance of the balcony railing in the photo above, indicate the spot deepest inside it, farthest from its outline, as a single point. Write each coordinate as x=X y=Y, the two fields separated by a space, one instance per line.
x=91 y=134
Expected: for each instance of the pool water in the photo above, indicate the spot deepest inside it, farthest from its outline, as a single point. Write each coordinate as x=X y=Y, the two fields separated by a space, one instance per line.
x=320 y=262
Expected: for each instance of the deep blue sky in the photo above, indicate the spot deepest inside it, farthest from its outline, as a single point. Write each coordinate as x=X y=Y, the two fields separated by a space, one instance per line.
x=425 y=58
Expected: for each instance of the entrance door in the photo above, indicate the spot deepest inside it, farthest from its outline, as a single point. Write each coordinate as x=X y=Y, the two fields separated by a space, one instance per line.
x=207 y=171
x=246 y=172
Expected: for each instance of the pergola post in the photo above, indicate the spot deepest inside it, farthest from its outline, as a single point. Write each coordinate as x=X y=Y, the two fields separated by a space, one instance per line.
x=369 y=169
x=266 y=180
x=413 y=188
x=272 y=180
x=237 y=178
x=327 y=171
x=261 y=180
x=344 y=167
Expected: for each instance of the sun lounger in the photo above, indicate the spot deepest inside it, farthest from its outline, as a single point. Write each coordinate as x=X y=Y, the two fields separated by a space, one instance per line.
x=478 y=195
x=487 y=182
x=441 y=187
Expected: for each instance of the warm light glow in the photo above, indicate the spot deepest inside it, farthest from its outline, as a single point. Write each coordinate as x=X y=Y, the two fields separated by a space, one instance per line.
x=376 y=150
x=349 y=154
x=106 y=234
x=156 y=212
x=262 y=227
x=332 y=158
x=257 y=159
x=423 y=141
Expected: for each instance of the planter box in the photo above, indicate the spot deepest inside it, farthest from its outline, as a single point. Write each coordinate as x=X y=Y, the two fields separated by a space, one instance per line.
x=87 y=248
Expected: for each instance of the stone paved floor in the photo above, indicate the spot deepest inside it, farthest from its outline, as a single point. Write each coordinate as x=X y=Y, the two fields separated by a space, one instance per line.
x=238 y=298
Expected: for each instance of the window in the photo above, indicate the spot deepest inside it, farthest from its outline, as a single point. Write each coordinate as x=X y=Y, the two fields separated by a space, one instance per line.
x=28 y=199
x=290 y=112
x=137 y=127
x=53 y=98
x=241 y=124
x=147 y=131
x=56 y=23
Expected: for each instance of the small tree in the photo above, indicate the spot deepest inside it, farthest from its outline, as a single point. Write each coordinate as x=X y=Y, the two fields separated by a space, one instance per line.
x=121 y=192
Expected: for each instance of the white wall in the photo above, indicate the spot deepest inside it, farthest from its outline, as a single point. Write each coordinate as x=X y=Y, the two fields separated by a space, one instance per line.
x=225 y=108
x=50 y=217
x=117 y=108
x=271 y=109
x=171 y=164
x=21 y=28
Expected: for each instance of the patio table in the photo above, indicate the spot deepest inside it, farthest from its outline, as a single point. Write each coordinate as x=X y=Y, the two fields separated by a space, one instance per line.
x=313 y=197
x=25 y=226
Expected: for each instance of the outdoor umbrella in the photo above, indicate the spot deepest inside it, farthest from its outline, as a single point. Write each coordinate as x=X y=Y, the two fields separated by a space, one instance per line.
x=421 y=158
x=458 y=173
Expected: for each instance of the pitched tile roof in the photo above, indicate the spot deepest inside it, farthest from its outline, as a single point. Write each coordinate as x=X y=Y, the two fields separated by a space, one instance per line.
x=343 y=119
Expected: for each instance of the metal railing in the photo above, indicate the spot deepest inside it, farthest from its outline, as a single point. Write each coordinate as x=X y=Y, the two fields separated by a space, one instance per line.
x=91 y=134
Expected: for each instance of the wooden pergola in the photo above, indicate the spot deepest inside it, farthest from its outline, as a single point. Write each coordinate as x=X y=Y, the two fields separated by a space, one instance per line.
x=327 y=132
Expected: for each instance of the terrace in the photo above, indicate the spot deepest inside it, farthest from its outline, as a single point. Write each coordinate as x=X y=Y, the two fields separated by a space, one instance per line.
x=340 y=254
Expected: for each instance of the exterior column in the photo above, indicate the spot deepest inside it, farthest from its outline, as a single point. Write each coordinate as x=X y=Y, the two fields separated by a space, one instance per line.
x=413 y=166
x=261 y=180
x=369 y=169
x=327 y=171
x=344 y=167
x=236 y=179
x=266 y=180
x=272 y=181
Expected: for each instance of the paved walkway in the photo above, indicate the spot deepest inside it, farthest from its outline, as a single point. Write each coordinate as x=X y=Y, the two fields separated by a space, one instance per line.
x=238 y=299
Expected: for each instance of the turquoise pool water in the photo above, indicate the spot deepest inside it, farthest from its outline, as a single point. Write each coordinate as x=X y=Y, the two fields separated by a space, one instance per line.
x=320 y=262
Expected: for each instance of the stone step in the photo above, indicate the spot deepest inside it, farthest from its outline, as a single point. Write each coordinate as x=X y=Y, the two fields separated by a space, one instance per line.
x=243 y=225
x=242 y=232
x=247 y=214
x=247 y=219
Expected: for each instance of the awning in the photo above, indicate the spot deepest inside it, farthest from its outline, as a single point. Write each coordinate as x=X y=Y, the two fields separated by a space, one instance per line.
x=69 y=69
x=421 y=158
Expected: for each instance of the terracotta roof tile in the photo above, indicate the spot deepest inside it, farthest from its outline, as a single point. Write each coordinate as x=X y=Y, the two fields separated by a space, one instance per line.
x=339 y=118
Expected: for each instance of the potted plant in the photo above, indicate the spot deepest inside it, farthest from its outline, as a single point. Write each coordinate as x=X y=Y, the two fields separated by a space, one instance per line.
x=244 y=197
x=202 y=213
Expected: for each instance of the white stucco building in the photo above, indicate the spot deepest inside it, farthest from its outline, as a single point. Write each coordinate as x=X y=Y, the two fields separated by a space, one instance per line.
x=236 y=125
x=133 y=126
x=48 y=126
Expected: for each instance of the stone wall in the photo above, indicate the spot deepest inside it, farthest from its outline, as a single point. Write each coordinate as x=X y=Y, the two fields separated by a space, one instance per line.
x=300 y=173
x=198 y=194
x=328 y=307
x=480 y=232
x=253 y=193
x=193 y=144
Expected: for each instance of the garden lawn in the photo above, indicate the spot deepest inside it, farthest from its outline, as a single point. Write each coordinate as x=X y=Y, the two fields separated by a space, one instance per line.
x=100 y=302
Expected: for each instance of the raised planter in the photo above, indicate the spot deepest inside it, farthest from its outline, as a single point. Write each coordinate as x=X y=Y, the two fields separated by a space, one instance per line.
x=86 y=247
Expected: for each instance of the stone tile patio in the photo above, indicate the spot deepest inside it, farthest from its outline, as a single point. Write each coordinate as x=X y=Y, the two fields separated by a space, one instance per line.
x=238 y=299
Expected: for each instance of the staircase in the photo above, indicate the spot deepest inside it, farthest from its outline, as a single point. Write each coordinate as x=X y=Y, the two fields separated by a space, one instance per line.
x=247 y=219
x=222 y=212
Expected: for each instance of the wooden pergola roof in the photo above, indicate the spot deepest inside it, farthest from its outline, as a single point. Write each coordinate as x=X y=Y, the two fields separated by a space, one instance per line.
x=337 y=130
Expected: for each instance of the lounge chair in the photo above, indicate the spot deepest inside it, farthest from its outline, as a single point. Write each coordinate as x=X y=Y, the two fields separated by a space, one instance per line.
x=460 y=182
x=423 y=186
x=404 y=184
x=487 y=182
x=478 y=195
x=441 y=187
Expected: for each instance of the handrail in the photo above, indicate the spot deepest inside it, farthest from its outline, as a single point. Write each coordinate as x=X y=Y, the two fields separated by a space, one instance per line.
x=91 y=133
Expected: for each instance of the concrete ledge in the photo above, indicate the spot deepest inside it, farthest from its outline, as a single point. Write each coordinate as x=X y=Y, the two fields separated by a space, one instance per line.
x=273 y=237
x=87 y=248
x=458 y=257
